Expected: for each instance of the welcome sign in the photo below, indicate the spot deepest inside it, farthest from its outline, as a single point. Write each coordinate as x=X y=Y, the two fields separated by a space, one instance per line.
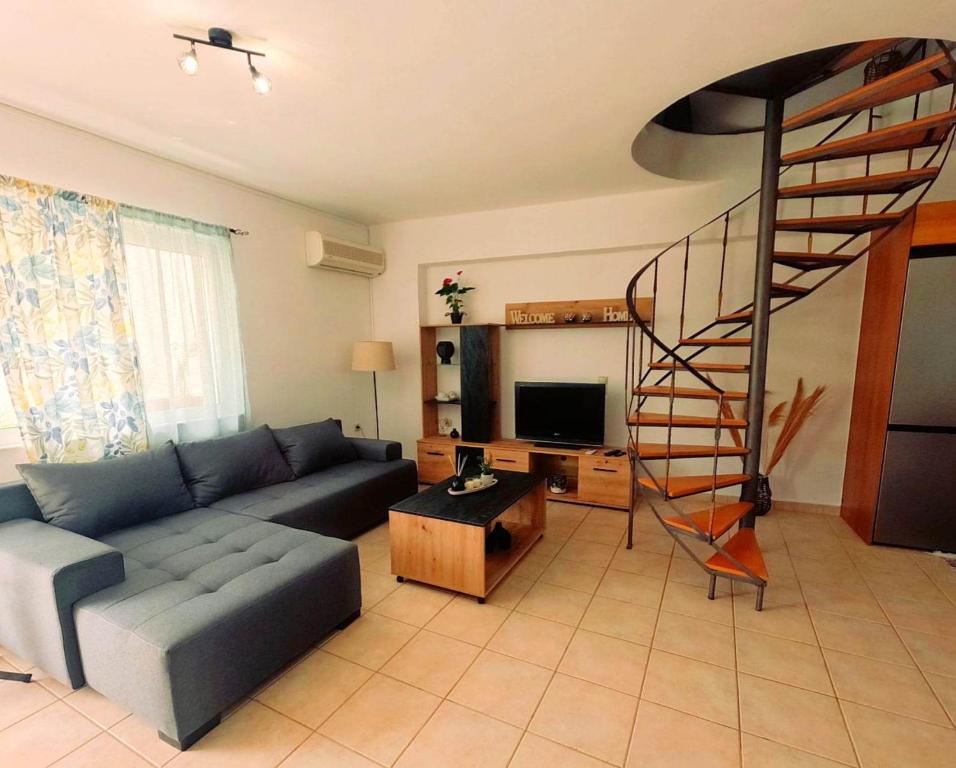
x=579 y=313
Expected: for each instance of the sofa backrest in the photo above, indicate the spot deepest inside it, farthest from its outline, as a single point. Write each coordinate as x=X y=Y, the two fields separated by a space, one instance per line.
x=16 y=501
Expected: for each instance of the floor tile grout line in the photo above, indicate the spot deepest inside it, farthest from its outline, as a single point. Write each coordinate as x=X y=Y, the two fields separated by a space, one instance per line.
x=564 y=654
x=949 y=716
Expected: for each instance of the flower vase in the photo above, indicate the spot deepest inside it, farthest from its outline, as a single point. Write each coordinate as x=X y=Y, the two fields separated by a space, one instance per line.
x=764 y=496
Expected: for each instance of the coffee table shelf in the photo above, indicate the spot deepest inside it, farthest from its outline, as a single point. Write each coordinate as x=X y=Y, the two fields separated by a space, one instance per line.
x=439 y=539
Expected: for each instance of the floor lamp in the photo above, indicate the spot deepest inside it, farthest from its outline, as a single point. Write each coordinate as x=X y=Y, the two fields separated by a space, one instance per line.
x=373 y=356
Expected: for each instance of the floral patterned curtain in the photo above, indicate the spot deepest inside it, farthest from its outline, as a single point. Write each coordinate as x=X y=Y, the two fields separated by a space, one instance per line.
x=66 y=333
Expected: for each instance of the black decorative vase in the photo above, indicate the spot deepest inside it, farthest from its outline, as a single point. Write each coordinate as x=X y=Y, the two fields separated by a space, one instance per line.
x=445 y=350
x=499 y=538
x=764 y=496
x=458 y=484
x=456 y=317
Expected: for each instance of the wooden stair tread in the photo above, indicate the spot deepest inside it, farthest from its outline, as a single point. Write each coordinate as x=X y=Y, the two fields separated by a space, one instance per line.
x=858 y=54
x=918 y=77
x=645 y=419
x=688 y=485
x=704 y=367
x=652 y=451
x=701 y=341
x=877 y=184
x=744 y=316
x=809 y=261
x=857 y=223
x=787 y=289
x=923 y=132
x=693 y=393
x=724 y=518
x=743 y=546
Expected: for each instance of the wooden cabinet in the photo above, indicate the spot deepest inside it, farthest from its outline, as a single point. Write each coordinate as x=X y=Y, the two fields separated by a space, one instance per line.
x=504 y=458
x=435 y=461
x=604 y=480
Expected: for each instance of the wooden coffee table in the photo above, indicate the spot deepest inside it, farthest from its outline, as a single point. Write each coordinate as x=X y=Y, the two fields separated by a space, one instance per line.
x=439 y=539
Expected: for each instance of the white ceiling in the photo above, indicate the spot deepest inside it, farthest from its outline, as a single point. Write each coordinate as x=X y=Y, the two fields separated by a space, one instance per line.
x=393 y=109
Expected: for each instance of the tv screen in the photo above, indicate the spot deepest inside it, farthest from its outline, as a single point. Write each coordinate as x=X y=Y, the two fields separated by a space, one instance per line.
x=563 y=414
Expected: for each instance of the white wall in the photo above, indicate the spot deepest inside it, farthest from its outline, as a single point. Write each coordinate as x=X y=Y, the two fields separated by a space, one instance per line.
x=588 y=249
x=297 y=323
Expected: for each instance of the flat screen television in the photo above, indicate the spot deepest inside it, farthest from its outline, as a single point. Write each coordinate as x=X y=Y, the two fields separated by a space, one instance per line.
x=560 y=414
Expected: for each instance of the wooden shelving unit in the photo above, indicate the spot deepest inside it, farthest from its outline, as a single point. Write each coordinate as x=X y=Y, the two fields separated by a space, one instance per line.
x=484 y=392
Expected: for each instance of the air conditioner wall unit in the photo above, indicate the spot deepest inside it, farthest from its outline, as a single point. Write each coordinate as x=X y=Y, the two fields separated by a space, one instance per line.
x=343 y=255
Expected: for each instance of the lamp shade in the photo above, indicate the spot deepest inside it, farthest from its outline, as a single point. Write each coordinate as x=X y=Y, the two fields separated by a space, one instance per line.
x=373 y=356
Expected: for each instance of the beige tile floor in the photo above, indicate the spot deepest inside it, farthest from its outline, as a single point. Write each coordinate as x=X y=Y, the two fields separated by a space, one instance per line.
x=588 y=655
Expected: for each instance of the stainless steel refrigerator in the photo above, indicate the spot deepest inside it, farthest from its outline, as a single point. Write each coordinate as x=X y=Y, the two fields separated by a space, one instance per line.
x=917 y=501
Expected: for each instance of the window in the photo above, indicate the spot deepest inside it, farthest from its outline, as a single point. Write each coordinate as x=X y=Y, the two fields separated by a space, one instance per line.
x=183 y=301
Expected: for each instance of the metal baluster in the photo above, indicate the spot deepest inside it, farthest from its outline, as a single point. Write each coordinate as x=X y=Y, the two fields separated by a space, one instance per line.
x=723 y=262
x=909 y=152
x=869 y=129
x=683 y=294
x=713 y=490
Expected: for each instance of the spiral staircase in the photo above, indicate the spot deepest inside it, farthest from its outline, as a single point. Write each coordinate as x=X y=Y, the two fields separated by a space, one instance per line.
x=887 y=142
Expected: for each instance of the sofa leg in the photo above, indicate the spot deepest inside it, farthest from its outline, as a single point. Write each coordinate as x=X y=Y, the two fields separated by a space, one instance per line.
x=188 y=740
x=349 y=619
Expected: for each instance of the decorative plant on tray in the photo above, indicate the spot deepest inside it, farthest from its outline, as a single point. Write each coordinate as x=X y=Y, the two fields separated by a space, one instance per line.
x=453 y=290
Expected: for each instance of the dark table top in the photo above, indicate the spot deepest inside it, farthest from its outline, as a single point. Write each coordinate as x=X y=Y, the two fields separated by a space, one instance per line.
x=474 y=508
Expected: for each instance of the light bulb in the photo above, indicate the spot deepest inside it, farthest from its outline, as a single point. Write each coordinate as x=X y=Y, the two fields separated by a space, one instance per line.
x=260 y=82
x=189 y=62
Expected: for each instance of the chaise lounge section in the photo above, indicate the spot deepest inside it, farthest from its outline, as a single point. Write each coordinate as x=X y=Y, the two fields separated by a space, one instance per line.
x=177 y=581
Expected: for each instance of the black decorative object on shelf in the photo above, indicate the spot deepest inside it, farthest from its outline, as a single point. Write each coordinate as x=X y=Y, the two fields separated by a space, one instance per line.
x=764 y=495
x=458 y=484
x=558 y=483
x=456 y=317
x=454 y=434
x=445 y=350
x=499 y=538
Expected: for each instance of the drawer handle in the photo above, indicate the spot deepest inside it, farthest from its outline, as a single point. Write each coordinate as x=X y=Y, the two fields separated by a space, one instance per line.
x=507 y=461
x=604 y=469
x=434 y=453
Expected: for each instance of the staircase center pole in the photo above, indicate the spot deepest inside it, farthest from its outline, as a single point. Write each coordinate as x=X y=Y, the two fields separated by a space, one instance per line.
x=763 y=275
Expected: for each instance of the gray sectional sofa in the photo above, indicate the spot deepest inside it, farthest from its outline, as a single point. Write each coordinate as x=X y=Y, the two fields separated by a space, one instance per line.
x=176 y=581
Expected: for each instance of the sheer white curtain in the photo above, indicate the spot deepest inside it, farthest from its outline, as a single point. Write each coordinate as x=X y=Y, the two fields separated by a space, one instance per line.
x=183 y=298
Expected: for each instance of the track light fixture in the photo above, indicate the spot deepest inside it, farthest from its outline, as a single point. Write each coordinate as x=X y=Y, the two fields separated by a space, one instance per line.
x=222 y=38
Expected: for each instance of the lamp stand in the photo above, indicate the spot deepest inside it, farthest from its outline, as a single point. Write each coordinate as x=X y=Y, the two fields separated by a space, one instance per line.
x=375 y=390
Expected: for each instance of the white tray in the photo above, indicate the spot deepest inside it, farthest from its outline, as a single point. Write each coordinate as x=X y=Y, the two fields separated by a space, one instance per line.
x=492 y=484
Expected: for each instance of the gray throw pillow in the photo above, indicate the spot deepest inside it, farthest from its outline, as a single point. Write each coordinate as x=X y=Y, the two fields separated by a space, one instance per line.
x=311 y=447
x=215 y=469
x=95 y=498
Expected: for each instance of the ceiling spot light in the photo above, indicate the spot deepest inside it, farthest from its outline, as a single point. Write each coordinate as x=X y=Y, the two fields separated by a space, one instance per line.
x=260 y=82
x=188 y=62
x=222 y=39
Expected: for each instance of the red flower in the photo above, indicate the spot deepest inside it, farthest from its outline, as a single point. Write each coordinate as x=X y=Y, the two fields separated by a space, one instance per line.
x=446 y=281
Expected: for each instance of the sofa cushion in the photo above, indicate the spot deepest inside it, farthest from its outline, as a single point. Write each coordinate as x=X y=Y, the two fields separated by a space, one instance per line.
x=225 y=466
x=341 y=501
x=311 y=447
x=212 y=604
x=102 y=496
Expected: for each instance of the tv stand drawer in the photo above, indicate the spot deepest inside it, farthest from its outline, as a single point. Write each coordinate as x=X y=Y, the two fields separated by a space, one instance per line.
x=604 y=480
x=502 y=458
x=435 y=462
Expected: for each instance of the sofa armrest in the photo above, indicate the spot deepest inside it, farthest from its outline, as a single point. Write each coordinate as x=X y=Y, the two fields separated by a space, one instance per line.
x=377 y=450
x=44 y=570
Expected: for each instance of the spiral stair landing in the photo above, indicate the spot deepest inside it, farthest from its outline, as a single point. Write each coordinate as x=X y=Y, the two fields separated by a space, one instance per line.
x=664 y=379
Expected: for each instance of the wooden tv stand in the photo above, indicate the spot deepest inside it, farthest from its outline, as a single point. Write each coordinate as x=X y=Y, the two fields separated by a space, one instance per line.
x=593 y=479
